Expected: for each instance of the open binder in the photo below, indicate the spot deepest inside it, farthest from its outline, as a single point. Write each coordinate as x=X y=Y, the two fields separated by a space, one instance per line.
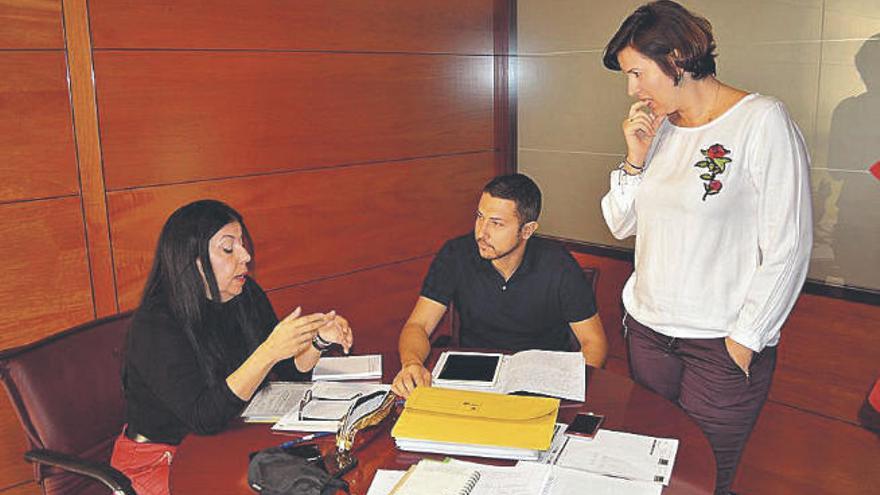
x=483 y=424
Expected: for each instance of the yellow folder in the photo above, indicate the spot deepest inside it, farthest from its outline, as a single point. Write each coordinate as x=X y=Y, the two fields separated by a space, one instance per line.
x=477 y=418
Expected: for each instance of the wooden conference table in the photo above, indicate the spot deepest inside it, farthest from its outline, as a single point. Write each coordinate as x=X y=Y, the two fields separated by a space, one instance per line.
x=218 y=463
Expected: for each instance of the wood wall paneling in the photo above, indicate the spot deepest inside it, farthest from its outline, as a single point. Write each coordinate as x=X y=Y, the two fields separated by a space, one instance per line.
x=46 y=280
x=376 y=302
x=504 y=35
x=91 y=171
x=24 y=488
x=172 y=116
x=314 y=224
x=30 y=24
x=36 y=133
x=828 y=357
x=446 y=26
x=13 y=467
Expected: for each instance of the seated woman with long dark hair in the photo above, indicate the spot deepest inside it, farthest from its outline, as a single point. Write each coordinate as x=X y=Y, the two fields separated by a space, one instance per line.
x=203 y=340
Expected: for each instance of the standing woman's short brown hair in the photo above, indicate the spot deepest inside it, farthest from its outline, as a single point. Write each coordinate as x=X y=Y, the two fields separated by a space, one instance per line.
x=668 y=34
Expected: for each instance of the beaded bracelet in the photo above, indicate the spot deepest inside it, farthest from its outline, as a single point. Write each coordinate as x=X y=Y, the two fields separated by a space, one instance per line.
x=623 y=165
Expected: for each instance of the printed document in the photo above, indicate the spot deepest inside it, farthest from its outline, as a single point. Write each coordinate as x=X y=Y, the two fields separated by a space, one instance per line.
x=619 y=454
x=367 y=367
x=274 y=401
x=564 y=481
x=532 y=478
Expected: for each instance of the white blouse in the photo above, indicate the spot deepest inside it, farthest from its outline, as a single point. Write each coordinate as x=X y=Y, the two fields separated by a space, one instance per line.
x=723 y=225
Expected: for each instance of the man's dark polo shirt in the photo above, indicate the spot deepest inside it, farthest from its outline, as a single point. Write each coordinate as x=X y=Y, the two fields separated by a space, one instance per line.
x=532 y=310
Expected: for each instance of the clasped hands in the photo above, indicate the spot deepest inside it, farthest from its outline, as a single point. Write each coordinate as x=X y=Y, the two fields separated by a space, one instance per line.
x=293 y=335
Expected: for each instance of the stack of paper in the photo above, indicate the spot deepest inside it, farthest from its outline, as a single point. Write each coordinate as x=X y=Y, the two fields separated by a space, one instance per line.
x=274 y=401
x=550 y=373
x=619 y=454
x=476 y=424
x=324 y=407
x=367 y=367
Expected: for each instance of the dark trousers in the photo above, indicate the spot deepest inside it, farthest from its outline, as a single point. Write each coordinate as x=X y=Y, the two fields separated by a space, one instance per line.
x=701 y=377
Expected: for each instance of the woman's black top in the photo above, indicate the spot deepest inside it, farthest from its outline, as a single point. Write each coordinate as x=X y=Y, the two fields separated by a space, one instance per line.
x=167 y=394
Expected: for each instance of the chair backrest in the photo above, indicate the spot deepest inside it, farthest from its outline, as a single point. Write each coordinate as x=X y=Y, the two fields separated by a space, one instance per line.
x=67 y=392
x=592 y=276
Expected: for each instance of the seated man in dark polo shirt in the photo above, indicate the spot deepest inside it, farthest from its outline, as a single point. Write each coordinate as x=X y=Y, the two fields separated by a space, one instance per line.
x=512 y=292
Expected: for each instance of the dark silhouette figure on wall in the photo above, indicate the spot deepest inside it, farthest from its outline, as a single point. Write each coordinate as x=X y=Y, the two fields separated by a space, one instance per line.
x=851 y=224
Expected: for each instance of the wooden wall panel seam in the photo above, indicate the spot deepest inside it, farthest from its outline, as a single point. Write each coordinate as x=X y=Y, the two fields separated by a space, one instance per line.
x=77 y=38
x=352 y=272
x=38 y=198
x=285 y=171
x=504 y=34
x=270 y=50
x=26 y=50
x=21 y=484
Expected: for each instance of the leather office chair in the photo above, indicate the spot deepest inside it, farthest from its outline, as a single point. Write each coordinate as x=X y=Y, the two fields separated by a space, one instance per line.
x=869 y=414
x=592 y=276
x=67 y=392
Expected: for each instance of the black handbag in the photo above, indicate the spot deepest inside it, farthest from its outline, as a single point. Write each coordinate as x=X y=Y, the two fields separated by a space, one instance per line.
x=298 y=470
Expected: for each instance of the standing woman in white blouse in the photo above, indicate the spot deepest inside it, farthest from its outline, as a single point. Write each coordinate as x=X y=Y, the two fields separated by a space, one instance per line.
x=715 y=188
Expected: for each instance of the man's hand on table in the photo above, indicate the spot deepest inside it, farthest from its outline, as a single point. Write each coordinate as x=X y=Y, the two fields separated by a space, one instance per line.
x=410 y=376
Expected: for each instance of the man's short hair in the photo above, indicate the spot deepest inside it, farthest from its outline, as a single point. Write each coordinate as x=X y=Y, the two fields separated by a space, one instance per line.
x=521 y=190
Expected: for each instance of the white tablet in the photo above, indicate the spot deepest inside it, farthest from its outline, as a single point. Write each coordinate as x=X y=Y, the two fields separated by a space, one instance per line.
x=476 y=369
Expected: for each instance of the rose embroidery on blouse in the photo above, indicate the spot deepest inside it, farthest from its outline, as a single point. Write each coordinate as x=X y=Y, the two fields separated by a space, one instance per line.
x=715 y=162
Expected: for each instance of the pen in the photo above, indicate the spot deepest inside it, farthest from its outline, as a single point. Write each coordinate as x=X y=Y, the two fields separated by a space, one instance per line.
x=297 y=441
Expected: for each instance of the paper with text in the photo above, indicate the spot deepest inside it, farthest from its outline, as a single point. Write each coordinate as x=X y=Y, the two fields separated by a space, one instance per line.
x=274 y=401
x=368 y=367
x=625 y=455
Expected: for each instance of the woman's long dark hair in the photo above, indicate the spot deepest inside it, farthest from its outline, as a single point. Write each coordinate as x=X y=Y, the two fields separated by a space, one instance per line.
x=175 y=279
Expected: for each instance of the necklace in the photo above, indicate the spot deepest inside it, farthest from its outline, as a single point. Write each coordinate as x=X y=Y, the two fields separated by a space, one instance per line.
x=707 y=116
x=710 y=115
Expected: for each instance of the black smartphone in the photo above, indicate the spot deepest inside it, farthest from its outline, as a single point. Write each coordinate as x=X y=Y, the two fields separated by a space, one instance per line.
x=585 y=425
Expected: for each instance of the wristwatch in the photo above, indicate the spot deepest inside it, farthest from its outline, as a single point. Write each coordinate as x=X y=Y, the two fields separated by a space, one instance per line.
x=320 y=344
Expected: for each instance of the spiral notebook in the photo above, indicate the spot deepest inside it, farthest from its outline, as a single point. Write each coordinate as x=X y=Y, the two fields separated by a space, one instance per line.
x=438 y=478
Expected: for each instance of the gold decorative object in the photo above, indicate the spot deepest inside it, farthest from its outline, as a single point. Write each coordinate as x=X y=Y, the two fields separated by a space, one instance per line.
x=365 y=412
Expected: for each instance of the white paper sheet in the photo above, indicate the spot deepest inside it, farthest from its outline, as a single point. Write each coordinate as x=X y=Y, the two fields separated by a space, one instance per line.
x=625 y=455
x=368 y=367
x=558 y=374
x=274 y=401
x=509 y=480
x=565 y=481
x=384 y=481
